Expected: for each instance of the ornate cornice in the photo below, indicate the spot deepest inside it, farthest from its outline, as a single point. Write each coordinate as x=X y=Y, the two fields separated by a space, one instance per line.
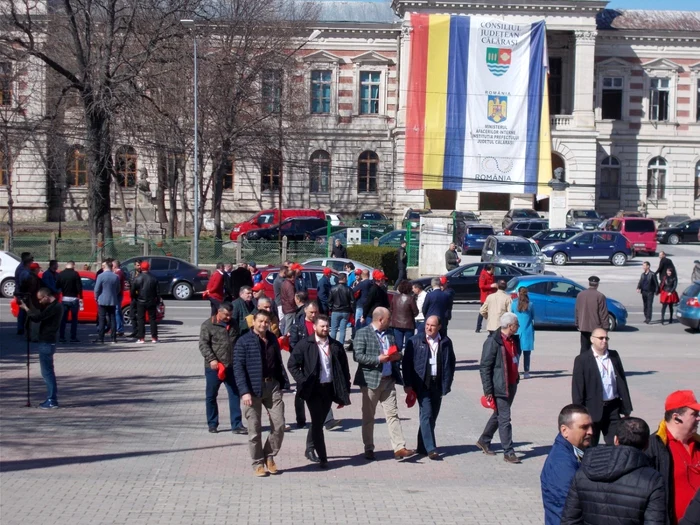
x=585 y=36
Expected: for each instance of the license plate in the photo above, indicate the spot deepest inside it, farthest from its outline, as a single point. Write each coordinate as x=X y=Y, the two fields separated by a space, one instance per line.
x=639 y=244
x=480 y=240
x=522 y=265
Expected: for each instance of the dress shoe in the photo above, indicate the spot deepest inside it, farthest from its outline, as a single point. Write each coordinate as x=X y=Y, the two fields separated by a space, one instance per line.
x=369 y=455
x=333 y=424
x=404 y=453
x=301 y=426
x=260 y=471
x=271 y=465
x=434 y=455
x=323 y=464
x=213 y=430
x=311 y=456
x=511 y=458
x=485 y=448
x=240 y=431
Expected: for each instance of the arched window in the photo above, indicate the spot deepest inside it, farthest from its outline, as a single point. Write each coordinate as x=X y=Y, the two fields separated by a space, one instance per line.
x=367 y=166
x=270 y=170
x=125 y=166
x=76 y=167
x=610 y=179
x=656 y=178
x=319 y=172
x=697 y=181
x=4 y=169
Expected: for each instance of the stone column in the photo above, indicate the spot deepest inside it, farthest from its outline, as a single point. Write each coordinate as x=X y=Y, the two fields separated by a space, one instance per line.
x=583 y=78
x=404 y=49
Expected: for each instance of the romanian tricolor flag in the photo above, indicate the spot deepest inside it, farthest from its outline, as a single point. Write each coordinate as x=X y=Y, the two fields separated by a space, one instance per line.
x=474 y=104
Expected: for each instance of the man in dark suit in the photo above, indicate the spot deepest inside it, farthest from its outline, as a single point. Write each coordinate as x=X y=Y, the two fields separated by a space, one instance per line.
x=428 y=370
x=664 y=264
x=240 y=277
x=319 y=365
x=648 y=286
x=438 y=303
x=599 y=384
x=260 y=378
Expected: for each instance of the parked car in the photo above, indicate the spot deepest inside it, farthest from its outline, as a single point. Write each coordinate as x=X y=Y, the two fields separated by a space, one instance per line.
x=519 y=213
x=411 y=218
x=320 y=235
x=688 y=311
x=583 y=219
x=336 y=264
x=604 y=246
x=688 y=231
x=269 y=218
x=640 y=231
x=296 y=229
x=673 y=220
x=334 y=219
x=175 y=277
x=516 y=251
x=526 y=228
x=375 y=216
x=546 y=237
x=465 y=279
x=468 y=216
x=310 y=274
x=374 y=220
x=8 y=264
x=554 y=300
x=396 y=237
x=88 y=310
x=475 y=236
x=624 y=213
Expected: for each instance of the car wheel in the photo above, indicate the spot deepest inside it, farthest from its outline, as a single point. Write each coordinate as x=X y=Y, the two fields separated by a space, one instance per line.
x=612 y=323
x=618 y=259
x=8 y=288
x=559 y=258
x=182 y=291
x=652 y=254
x=126 y=315
x=673 y=239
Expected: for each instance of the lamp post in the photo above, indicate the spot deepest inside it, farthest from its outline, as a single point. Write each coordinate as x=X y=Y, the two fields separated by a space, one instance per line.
x=314 y=35
x=195 y=250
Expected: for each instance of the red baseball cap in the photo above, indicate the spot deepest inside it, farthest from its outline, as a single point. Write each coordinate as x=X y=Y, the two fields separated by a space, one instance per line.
x=326 y=271
x=257 y=287
x=680 y=399
x=485 y=403
x=443 y=280
x=358 y=271
x=34 y=266
x=377 y=275
x=144 y=265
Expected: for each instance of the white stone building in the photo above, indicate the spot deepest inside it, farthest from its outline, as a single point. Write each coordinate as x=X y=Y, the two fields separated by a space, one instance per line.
x=624 y=98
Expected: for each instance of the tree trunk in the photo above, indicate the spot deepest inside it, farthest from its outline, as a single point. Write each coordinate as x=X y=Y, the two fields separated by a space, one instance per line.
x=100 y=169
x=183 y=204
x=162 y=185
x=10 y=213
x=122 y=201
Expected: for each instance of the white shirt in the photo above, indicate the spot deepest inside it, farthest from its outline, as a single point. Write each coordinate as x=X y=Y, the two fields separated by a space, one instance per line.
x=433 y=344
x=384 y=344
x=324 y=356
x=607 y=375
x=420 y=299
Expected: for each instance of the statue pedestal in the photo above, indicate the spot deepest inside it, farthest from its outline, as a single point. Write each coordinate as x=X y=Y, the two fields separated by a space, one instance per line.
x=147 y=225
x=557 y=209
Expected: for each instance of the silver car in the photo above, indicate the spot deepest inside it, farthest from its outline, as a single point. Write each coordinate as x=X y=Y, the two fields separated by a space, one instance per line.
x=517 y=251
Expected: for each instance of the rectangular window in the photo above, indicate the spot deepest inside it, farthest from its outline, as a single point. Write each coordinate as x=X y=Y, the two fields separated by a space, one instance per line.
x=369 y=92
x=228 y=175
x=5 y=84
x=659 y=99
x=555 y=85
x=272 y=90
x=321 y=92
x=610 y=183
x=611 y=103
x=4 y=169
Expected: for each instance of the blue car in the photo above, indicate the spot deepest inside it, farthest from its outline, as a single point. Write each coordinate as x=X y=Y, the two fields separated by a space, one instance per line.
x=474 y=237
x=554 y=300
x=688 y=312
x=600 y=246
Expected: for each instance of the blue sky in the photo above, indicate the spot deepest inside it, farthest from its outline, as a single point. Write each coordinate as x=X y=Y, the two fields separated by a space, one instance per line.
x=677 y=5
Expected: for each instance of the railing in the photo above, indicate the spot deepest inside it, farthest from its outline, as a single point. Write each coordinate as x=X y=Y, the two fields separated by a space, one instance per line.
x=561 y=122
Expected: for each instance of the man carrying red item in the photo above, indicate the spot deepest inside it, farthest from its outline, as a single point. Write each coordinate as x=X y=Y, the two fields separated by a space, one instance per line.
x=487 y=286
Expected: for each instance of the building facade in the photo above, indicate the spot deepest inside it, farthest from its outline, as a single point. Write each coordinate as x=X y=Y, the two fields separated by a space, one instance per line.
x=624 y=103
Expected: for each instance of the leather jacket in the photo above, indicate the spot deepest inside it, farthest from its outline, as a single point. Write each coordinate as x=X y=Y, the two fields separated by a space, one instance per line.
x=404 y=312
x=342 y=299
x=145 y=289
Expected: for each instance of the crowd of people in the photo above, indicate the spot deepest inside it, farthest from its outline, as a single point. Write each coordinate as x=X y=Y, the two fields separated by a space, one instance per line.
x=635 y=477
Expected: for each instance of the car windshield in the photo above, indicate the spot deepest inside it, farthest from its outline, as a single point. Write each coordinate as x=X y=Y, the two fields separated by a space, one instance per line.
x=266 y=218
x=525 y=213
x=692 y=291
x=517 y=249
x=13 y=256
x=586 y=214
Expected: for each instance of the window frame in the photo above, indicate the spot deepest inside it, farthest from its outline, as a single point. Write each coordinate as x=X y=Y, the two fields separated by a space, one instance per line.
x=609 y=90
x=317 y=161
x=697 y=180
x=271 y=159
x=229 y=176
x=605 y=170
x=125 y=158
x=655 y=93
x=371 y=83
x=7 y=88
x=74 y=156
x=661 y=68
x=657 y=191
x=371 y=160
x=5 y=168
x=272 y=90
x=313 y=83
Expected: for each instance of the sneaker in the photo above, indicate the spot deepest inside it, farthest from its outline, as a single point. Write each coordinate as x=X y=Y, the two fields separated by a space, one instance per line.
x=259 y=471
x=271 y=465
x=526 y=375
x=140 y=342
x=512 y=458
x=48 y=404
x=154 y=340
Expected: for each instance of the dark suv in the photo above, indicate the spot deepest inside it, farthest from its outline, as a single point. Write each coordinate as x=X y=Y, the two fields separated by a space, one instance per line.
x=526 y=228
x=296 y=229
x=519 y=214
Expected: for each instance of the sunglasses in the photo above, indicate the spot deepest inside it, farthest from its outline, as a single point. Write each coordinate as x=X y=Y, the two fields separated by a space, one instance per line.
x=601 y=338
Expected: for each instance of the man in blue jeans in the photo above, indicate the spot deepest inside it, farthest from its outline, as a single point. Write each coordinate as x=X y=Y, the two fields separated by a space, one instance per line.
x=72 y=288
x=216 y=339
x=49 y=319
x=342 y=304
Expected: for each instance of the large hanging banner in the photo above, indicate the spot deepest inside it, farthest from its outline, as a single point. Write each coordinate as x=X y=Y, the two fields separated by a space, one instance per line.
x=474 y=105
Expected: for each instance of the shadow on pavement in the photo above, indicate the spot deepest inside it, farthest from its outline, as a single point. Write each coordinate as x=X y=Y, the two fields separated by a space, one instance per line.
x=627 y=328
x=467 y=364
x=547 y=374
x=645 y=373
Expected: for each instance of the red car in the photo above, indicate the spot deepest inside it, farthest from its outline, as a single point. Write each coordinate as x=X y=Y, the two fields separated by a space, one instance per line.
x=88 y=312
x=311 y=275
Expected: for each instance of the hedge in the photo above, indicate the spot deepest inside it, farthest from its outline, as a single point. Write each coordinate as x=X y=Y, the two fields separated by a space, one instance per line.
x=381 y=257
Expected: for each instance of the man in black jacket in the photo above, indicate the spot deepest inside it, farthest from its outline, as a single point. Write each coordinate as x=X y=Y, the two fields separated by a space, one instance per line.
x=616 y=484
x=648 y=286
x=216 y=339
x=319 y=365
x=402 y=261
x=599 y=384
x=49 y=320
x=145 y=289
x=376 y=296
x=72 y=287
x=664 y=264
x=339 y=251
x=342 y=305
x=240 y=277
x=499 y=379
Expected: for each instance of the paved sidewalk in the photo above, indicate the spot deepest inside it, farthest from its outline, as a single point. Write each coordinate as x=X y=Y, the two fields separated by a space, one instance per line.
x=130 y=443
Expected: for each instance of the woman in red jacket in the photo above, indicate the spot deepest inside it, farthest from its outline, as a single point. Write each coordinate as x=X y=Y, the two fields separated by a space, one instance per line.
x=487 y=286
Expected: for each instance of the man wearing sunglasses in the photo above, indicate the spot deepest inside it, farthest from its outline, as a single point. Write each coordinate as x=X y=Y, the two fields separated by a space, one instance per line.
x=599 y=384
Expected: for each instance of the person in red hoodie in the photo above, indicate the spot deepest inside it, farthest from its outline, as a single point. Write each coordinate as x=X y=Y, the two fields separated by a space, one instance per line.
x=215 y=289
x=487 y=286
